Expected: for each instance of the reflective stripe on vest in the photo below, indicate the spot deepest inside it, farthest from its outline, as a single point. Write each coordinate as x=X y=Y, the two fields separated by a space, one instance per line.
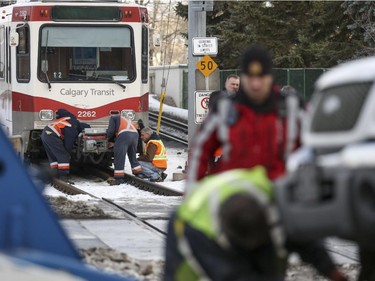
x=190 y=270
x=201 y=206
x=160 y=158
x=126 y=126
x=59 y=124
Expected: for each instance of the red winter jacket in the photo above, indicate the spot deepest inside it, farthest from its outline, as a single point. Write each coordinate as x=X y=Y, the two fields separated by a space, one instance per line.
x=256 y=137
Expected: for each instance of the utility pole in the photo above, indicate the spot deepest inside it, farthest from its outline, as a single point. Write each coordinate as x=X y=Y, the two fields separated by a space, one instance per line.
x=197 y=28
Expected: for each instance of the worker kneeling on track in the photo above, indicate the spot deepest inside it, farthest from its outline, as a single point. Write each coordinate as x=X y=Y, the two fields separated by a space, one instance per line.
x=125 y=135
x=227 y=228
x=154 y=159
x=58 y=140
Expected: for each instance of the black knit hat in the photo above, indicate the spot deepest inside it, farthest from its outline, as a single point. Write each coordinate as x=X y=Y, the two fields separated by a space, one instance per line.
x=256 y=61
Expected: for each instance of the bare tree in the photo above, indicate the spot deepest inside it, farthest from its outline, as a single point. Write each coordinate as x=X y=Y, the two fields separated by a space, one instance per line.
x=164 y=22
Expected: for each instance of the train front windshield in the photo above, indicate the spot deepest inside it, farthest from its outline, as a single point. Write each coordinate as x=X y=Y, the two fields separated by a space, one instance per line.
x=86 y=54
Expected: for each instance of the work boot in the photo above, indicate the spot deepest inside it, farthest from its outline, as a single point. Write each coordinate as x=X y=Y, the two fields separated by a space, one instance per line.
x=140 y=176
x=159 y=179
x=66 y=178
x=117 y=181
x=163 y=176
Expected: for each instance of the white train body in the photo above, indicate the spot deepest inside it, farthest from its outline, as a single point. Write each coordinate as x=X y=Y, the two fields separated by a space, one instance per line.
x=90 y=58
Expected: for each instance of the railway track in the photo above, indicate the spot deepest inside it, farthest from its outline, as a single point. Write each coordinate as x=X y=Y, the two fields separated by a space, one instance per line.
x=170 y=123
x=172 y=137
x=133 y=211
x=71 y=189
x=141 y=184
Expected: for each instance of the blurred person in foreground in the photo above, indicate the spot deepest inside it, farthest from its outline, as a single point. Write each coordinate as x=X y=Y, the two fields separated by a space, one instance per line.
x=258 y=126
x=228 y=228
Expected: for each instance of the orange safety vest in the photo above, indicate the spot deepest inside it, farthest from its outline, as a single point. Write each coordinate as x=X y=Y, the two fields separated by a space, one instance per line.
x=160 y=158
x=58 y=125
x=126 y=126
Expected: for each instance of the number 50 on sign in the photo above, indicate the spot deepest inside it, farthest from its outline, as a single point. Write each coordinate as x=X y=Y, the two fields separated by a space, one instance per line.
x=206 y=65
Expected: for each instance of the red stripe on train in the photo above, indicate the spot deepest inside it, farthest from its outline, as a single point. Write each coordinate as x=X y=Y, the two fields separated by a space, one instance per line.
x=26 y=103
x=44 y=13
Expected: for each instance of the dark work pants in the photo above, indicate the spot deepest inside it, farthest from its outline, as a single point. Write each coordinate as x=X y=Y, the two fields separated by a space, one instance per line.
x=126 y=144
x=367 y=258
x=57 y=155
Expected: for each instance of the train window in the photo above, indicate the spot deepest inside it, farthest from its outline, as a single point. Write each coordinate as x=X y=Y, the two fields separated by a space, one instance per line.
x=23 y=54
x=2 y=51
x=144 y=54
x=86 y=54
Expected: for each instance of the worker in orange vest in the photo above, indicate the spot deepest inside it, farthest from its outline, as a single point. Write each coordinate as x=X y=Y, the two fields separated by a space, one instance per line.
x=58 y=140
x=125 y=135
x=154 y=159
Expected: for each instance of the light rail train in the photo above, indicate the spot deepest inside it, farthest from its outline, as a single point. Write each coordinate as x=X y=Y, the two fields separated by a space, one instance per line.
x=89 y=57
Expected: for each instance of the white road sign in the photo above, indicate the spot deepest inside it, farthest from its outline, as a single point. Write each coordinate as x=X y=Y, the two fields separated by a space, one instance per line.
x=201 y=105
x=204 y=46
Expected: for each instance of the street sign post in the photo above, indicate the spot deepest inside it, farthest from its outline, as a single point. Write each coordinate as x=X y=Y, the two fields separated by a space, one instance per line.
x=204 y=46
x=197 y=29
x=206 y=65
x=202 y=99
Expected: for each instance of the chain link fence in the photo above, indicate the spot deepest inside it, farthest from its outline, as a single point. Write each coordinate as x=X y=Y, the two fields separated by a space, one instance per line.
x=302 y=79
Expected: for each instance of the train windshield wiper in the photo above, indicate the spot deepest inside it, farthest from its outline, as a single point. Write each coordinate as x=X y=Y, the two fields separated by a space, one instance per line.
x=47 y=79
x=45 y=63
x=121 y=85
x=112 y=81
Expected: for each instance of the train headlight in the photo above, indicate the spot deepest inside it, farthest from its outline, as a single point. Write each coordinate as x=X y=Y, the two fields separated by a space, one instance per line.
x=130 y=114
x=46 y=115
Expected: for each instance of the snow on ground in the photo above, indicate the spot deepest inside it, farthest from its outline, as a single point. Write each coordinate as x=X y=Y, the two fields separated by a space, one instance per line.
x=176 y=162
x=113 y=261
x=177 y=158
x=180 y=113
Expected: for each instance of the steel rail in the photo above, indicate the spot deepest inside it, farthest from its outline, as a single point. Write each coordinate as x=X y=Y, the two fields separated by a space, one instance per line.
x=70 y=189
x=73 y=190
x=172 y=137
x=169 y=122
x=153 y=187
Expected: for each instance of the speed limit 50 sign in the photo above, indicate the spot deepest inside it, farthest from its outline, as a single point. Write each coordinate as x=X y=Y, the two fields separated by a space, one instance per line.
x=206 y=65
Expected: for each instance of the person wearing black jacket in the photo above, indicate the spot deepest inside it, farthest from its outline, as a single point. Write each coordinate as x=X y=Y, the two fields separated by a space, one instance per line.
x=123 y=132
x=58 y=140
x=232 y=84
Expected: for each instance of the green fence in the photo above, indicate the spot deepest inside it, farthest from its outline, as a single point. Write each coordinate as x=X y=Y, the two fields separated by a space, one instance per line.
x=303 y=79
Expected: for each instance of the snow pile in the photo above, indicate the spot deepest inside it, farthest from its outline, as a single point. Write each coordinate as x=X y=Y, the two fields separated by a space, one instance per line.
x=68 y=209
x=307 y=273
x=110 y=260
x=169 y=111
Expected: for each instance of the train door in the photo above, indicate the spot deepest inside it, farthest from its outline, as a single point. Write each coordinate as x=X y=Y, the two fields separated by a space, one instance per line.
x=5 y=93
